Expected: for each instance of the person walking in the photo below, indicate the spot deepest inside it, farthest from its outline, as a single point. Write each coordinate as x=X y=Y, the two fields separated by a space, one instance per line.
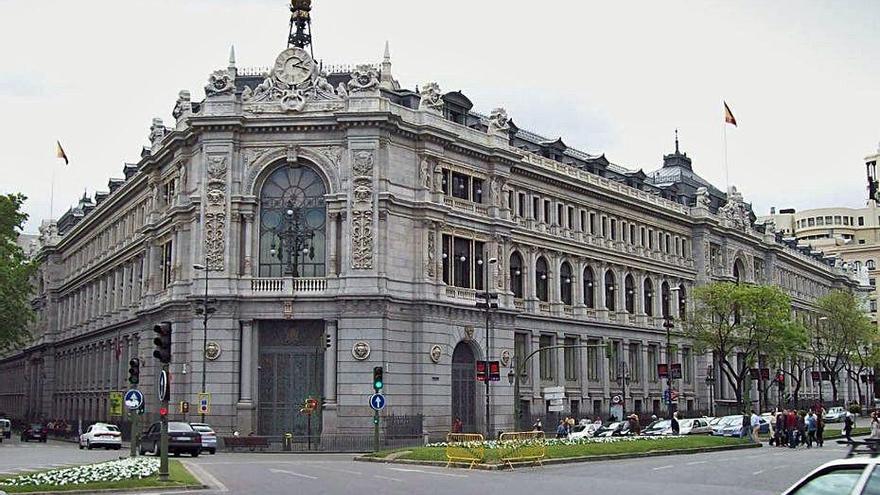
x=676 y=428
x=811 y=429
x=820 y=426
x=848 y=426
x=875 y=426
x=801 y=428
x=755 y=421
x=780 y=428
x=457 y=425
x=791 y=428
x=538 y=426
x=561 y=429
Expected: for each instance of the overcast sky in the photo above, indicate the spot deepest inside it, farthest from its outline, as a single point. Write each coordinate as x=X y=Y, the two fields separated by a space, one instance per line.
x=802 y=78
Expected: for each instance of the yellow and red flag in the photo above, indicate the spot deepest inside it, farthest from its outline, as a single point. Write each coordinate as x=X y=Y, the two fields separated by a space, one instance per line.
x=59 y=152
x=728 y=115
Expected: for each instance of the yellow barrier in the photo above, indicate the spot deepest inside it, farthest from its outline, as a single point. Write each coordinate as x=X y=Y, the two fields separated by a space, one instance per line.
x=523 y=446
x=465 y=447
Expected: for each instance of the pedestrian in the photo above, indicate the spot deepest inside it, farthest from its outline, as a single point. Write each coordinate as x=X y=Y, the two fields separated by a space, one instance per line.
x=801 y=428
x=780 y=428
x=820 y=426
x=791 y=428
x=538 y=426
x=676 y=428
x=811 y=429
x=875 y=426
x=746 y=426
x=561 y=430
x=756 y=426
x=635 y=428
x=457 y=425
x=848 y=426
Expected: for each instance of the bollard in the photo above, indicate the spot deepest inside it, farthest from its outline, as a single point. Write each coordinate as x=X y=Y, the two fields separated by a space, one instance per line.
x=287 y=442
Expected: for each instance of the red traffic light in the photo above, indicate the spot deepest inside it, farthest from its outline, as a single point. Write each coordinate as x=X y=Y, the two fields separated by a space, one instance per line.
x=163 y=411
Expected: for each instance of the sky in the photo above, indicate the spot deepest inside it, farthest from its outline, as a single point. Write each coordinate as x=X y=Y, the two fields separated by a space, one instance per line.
x=802 y=78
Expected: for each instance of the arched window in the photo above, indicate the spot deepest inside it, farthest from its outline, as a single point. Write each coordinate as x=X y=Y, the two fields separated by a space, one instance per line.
x=629 y=295
x=565 y=283
x=664 y=299
x=516 y=276
x=292 y=223
x=589 y=294
x=609 y=290
x=649 y=297
x=541 y=275
x=682 y=303
x=870 y=264
x=737 y=271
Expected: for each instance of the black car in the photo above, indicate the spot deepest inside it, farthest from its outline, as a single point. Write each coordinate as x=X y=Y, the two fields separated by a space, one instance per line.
x=35 y=431
x=181 y=438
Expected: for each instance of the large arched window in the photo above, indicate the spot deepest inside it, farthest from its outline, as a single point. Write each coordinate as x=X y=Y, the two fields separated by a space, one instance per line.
x=629 y=295
x=292 y=223
x=682 y=303
x=516 y=275
x=609 y=290
x=738 y=271
x=565 y=283
x=541 y=279
x=649 y=297
x=589 y=294
x=664 y=299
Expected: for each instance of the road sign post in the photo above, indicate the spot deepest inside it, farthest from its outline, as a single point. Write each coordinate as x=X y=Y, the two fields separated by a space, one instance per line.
x=133 y=400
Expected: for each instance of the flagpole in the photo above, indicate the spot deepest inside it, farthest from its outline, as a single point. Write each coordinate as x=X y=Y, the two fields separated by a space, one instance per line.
x=52 y=196
x=726 y=165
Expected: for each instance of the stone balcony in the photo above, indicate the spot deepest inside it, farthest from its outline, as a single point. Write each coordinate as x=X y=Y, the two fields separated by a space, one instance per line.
x=287 y=286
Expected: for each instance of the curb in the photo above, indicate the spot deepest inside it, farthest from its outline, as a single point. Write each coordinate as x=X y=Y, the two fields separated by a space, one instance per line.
x=566 y=460
x=118 y=490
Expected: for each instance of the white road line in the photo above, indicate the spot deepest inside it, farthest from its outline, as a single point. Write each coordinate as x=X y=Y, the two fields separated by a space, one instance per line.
x=662 y=467
x=403 y=470
x=386 y=478
x=757 y=472
x=205 y=477
x=783 y=466
x=694 y=463
x=336 y=470
x=298 y=475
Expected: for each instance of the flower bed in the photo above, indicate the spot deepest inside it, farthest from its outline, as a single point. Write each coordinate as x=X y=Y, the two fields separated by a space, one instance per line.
x=112 y=471
x=550 y=442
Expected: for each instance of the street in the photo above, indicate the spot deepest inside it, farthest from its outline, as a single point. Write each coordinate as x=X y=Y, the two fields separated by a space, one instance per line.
x=753 y=472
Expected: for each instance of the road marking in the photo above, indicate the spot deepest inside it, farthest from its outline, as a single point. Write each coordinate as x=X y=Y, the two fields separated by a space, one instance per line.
x=783 y=466
x=662 y=467
x=757 y=472
x=387 y=478
x=403 y=470
x=337 y=470
x=205 y=477
x=694 y=463
x=298 y=475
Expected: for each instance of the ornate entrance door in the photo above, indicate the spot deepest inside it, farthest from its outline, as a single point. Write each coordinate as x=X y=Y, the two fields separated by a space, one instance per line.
x=291 y=371
x=464 y=387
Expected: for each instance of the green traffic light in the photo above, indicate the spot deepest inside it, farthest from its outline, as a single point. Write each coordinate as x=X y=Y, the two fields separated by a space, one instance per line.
x=377 y=385
x=375 y=421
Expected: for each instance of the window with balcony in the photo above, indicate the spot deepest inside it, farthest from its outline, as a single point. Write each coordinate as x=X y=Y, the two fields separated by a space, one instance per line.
x=167 y=264
x=516 y=275
x=541 y=276
x=463 y=262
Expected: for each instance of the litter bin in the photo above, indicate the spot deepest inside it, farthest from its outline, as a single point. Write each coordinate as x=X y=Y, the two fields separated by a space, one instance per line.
x=287 y=442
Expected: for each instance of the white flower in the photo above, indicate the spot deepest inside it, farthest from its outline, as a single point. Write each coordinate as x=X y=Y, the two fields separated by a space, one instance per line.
x=137 y=467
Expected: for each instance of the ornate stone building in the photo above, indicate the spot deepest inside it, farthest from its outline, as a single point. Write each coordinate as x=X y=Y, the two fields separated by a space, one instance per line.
x=347 y=222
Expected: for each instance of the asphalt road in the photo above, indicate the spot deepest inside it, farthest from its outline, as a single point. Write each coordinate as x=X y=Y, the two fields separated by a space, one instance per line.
x=763 y=471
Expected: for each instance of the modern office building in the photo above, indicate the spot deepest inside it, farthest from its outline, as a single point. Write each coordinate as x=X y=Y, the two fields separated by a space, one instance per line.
x=340 y=221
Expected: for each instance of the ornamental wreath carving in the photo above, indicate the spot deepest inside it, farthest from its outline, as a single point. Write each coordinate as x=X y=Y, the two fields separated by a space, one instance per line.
x=362 y=210
x=294 y=80
x=364 y=79
x=219 y=83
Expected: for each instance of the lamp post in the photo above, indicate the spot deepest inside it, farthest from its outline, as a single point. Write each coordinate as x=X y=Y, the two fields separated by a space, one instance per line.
x=294 y=239
x=488 y=305
x=710 y=384
x=205 y=313
x=818 y=360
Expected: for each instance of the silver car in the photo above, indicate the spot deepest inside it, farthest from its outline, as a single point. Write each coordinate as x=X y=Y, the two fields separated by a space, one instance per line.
x=209 y=437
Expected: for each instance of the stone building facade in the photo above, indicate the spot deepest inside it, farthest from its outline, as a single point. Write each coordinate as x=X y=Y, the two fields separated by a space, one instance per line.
x=347 y=222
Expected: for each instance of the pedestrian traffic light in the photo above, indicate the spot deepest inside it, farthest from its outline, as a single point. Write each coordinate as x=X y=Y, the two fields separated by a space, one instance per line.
x=378 y=382
x=163 y=411
x=134 y=371
x=162 y=342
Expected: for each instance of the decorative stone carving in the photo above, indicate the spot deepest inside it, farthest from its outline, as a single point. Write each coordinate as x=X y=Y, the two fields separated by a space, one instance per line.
x=183 y=107
x=505 y=358
x=215 y=212
x=426 y=172
x=364 y=79
x=495 y=185
x=157 y=131
x=736 y=212
x=468 y=333
x=499 y=266
x=436 y=353
x=499 y=122
x=770 y=226
x=363 y=163
x=430 y=256
x=294 y=80
x=432 y=98
x=360 y=350
x=362 y=210
x=703 y=198
x=219 y=83
x=215 y=243
x=332 y=153
x=212 y=351
x=292 y=153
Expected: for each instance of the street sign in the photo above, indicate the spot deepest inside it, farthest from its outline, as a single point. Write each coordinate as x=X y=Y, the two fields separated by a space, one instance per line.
x=134 y=399
x=377 y=402
x=494 y=371
x=662 y=370
x=115 y=401
x=555 y=408
x=204 y=403
x=482 y=375
x=162 y=388
x=556 y=402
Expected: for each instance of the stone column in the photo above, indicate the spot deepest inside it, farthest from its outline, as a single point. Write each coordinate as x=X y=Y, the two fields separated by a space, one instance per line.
x=331 y=247
x=536 y=366
x=329 y=412
x=245 y=404
x=560 y=359
x=248 y=223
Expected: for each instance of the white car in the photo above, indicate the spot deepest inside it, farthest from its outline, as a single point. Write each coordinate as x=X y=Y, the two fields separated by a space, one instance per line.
x=209 y=437
x=854 y=476
x=101 y=435
x=835 y=414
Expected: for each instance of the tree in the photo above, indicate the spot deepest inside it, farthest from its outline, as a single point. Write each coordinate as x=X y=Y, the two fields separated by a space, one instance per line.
x=739 y=323
x=839 y=333
x=15 y=275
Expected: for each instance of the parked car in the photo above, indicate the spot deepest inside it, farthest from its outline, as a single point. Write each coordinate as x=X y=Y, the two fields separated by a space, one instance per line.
x=725 y=422
x=101 y=435
x=5 y=428
x=695 y=426
x=854 y=476
x=835 y=414
x=35 y=431
x=181 y=438
x=616 y=429
x=209 y=437
x=662 y=427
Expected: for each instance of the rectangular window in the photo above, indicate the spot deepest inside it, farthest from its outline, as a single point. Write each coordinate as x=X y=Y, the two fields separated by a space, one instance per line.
x=613 y=229
x=811 y=222
x=583 y=221
x=687 y=368
x=820 y=221
x=592 y=223
x=828 y=220
x=570 y=355
x=569 y=218
x=642 y=236
x=520 y=349
x=650 y=238
x=447 y=178
x=846 y=220
x=873 y=282
x=479 y=268
x=521 y=205
x=837 y=219
x=861 y=221
x=604 y=227
x=167 y=265
x=511 y=201
x=873 y=306
x=460 y=186
x=447 y=259
x=536 y=209
x=477 y=191
x=614 y=360
x=635 y=362
x=560 y=213
x=632 y=234
x=547 y=212
x=593 y=361
x=462 y=262
x=652 y=363
x=546 y=357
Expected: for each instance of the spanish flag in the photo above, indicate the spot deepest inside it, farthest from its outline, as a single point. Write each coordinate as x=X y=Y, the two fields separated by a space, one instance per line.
x=59 y=152
x=728 y=115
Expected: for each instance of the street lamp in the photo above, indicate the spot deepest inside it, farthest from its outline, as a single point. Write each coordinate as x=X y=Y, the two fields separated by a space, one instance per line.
x=710 y=383
x=488 y=305
x=205 y=313
x=669 y=325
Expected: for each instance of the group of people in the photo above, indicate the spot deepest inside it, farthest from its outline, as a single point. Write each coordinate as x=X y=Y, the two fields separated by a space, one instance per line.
x=563 y=429
x=791 y=428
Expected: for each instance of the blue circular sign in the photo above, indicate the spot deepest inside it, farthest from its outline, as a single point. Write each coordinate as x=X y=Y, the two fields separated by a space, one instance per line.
x=133 y=399
x=377 y=402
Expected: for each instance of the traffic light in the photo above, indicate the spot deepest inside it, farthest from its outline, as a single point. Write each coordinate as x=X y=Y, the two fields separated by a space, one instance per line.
x=162 y=342
x=134 y=371
x=328 y=341
x=378 y=382
x=163 y=411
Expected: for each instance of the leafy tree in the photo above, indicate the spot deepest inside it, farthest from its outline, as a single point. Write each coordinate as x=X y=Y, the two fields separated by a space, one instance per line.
x=836 y=338
x=739 y=323
x=15 y=275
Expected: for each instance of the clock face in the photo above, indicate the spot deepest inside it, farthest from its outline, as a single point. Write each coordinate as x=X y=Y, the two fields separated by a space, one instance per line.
x=294 y=66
